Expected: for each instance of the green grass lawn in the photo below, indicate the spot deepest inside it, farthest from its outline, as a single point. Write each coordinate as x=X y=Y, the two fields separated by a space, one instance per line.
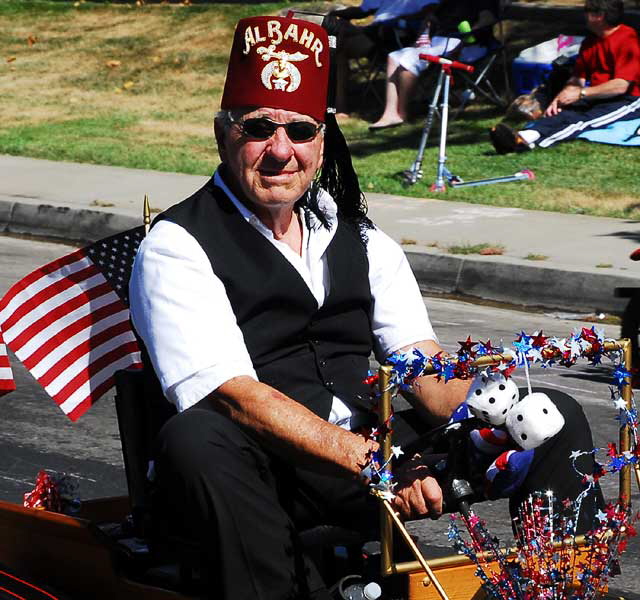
x=138 y=86
x=578 y=177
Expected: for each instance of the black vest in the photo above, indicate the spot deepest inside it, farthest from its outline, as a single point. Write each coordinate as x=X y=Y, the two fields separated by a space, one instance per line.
x=307 y=353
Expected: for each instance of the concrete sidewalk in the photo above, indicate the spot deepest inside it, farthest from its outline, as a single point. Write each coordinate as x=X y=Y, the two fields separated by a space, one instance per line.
x=587 y=256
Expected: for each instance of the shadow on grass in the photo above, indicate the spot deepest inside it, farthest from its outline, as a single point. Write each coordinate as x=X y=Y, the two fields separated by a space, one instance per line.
x=465 y=131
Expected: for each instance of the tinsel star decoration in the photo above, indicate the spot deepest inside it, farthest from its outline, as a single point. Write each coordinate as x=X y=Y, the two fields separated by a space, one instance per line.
x=586 y=343
x=548 y=562
x=55 y=492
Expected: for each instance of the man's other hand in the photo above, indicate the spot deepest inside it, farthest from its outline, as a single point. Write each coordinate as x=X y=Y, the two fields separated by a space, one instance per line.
x=568 y=95
x=418 y=494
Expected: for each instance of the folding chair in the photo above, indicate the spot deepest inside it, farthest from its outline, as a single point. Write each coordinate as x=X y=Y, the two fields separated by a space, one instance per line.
x=479 y=85
x=491 y=77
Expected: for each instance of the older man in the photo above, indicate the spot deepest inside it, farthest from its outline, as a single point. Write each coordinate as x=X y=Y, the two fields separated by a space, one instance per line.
x=604 y=88
x=259 y=300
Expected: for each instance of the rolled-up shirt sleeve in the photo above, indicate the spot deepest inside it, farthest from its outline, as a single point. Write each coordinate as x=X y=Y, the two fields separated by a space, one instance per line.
x=399 y=316
x=180 y=309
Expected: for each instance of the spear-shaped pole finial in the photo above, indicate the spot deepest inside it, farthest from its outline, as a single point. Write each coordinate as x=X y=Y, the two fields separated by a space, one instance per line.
x=146 y=214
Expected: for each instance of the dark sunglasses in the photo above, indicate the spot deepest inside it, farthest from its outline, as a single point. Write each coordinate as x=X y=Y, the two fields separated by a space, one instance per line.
x=262 y=128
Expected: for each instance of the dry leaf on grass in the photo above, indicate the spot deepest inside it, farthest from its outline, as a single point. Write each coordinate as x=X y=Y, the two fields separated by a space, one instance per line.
x=492 y=250
x=31 y=40
x=11 y=59
x=128 y=85
x=112 y=64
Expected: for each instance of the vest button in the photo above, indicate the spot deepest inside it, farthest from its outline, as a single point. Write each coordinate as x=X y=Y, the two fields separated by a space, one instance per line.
x=323 y=363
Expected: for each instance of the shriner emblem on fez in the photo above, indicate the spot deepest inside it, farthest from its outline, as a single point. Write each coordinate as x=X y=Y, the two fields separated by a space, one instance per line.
x=280 y=73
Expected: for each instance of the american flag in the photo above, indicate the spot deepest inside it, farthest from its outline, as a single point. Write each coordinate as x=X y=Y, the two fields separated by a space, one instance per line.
x=68 y=322
x=6 y=376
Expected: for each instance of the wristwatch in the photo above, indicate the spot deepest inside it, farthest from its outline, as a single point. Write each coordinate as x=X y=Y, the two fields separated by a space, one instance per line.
x=583 y=93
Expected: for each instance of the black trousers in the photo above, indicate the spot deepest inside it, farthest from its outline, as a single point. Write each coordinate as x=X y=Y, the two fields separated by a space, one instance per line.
x=217 y=487
x=582 y=115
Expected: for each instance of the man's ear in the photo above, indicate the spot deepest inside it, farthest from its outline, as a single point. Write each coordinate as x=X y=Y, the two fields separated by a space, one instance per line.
x=220 y=133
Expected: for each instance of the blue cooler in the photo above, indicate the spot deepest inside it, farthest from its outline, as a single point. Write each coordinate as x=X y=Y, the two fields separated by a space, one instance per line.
x=533 y=65
x=528 y=75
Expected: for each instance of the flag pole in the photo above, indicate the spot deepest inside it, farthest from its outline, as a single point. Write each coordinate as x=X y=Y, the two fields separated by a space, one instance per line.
x=146 y=214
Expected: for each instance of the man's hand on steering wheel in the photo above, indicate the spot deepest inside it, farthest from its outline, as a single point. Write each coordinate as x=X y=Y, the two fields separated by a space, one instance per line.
x=418 y=494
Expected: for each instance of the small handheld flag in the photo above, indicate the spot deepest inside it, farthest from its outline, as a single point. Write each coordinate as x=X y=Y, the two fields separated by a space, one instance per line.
x=68 y=322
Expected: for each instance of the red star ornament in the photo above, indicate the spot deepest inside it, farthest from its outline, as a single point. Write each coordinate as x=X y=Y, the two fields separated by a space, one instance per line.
x=539 y=340
x=467 y=346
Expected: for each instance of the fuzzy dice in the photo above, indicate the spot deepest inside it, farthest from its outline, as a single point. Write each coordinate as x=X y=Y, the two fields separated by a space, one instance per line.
x=491 y=396
x=534 y=420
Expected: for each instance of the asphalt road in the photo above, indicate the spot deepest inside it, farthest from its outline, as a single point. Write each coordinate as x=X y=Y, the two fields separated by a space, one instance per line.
x=34 y=434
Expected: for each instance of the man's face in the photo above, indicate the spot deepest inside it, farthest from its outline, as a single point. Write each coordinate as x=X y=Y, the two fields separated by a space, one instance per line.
x=271 y=173
x=595 y=22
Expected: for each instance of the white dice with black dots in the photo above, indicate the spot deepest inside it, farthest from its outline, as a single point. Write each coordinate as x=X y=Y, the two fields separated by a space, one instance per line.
x=491 y=396
x=534 y=420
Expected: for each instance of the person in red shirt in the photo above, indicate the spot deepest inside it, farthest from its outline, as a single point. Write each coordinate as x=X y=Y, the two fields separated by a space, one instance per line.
x=604 y=87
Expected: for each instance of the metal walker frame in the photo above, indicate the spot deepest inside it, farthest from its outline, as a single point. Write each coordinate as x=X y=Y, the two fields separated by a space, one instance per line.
x=422 y=570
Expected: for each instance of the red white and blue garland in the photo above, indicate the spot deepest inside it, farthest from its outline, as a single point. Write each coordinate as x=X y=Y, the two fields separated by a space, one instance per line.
x=548 y=562
x=543 y=570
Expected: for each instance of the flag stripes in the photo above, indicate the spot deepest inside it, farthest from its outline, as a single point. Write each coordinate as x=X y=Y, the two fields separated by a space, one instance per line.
x=69 y=324
x=6 y=376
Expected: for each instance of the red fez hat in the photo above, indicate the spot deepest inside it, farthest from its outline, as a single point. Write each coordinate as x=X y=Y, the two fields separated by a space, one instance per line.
x=279 y=63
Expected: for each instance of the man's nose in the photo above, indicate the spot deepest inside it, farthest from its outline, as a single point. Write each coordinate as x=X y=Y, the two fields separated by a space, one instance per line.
x=279 y=145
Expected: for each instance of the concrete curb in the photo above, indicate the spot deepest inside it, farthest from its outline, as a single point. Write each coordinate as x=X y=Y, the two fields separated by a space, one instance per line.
x=498 y=279
x=61 y=222
x=519 y=283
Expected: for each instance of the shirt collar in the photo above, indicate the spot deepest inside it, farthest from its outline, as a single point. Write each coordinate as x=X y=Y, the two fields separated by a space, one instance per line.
x=242 y=209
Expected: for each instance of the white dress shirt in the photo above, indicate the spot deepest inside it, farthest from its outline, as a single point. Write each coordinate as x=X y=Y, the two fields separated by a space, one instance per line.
x=180 y=309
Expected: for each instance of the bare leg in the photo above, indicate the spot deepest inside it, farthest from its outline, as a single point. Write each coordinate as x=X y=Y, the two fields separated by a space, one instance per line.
x=400 y=83
x=406 y=83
